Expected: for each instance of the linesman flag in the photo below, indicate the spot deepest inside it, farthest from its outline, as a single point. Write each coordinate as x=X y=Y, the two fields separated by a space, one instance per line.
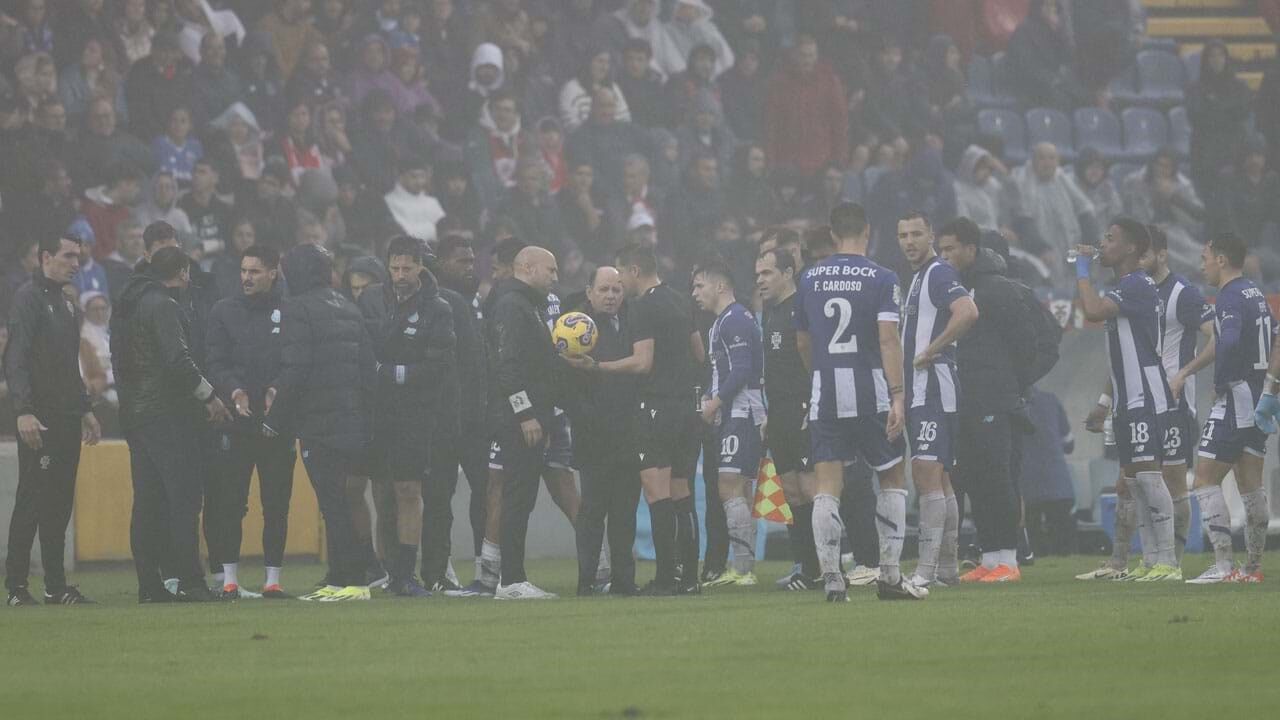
x=770 y=503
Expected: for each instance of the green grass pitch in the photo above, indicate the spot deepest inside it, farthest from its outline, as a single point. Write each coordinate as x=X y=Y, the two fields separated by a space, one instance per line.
x=1050 y=647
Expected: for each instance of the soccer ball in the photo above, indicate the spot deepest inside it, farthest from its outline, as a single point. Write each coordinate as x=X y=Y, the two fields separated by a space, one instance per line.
x=574 y=334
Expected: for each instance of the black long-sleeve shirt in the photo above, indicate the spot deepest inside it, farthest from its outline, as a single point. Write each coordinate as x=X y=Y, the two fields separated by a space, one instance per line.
x=42 y=358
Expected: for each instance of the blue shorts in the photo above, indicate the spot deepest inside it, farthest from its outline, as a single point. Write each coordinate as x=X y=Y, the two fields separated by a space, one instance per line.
x=1179 y=433
x=930 y=431
x=848 y=439
x=740 y=446
x=1230 y=432
x=559 y=452
x=1139 y=436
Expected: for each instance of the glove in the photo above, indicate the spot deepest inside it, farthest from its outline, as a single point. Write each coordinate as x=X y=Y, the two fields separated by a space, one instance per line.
x=1264 y=416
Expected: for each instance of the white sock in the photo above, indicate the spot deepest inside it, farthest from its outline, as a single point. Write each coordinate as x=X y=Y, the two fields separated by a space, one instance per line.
x=990 y=559
x=949 y=552
x=273 y=576
x=827 y=531
x=229 y=574
x=1126 y=519
x=1009 y=556
x=1181 y=523
x=479 y=568
x=933 y=520
x=1143 y=510
x=1257 y=518
x=891 y=521
x=490 y=563
x=1216 y=520
x=604 y=569
x=1160 y=503
x=742 y=534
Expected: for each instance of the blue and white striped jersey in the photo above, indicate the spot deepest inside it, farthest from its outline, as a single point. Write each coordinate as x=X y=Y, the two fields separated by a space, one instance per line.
x=737 y=363
x=1244 y=328
x=1185 y=310
x=924 y=316
x=1134 y=344
x=840 y=303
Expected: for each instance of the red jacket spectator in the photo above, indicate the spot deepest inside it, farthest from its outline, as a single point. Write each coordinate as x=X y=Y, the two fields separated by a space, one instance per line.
x=806 y=116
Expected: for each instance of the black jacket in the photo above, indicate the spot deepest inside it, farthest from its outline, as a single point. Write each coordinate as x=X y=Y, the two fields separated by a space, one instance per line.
x=523 y=365
x=414 y=342
x=984 y=355
x=42 y=358
x=244 y=343
x=472 y=356
x=325 y=386
x=603 y=404
x=156 y=377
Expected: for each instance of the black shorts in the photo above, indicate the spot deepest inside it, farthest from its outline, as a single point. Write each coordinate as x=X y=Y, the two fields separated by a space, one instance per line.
x=669 y=434
x=399 y=461
x=787 y=437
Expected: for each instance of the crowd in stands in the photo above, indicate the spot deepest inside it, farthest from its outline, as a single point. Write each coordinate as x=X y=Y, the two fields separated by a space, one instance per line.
x=578 y=125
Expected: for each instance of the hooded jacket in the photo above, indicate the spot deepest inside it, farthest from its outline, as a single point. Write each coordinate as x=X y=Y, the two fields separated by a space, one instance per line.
x=806 y=120
x=324 y=389
x=244 y=345
x=979 y=203
x=984 y=355
x=523 y=366
x=42 y=357
x=156 y=377
x=414 y=343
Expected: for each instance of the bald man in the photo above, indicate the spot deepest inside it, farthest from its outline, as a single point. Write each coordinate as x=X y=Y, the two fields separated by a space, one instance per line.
x=604 y=445
x=523 y=391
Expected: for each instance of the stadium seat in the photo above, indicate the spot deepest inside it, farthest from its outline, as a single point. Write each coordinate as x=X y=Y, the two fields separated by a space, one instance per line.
x=1121 y=170
x=1180 y=131
x=1145 y=132
x=1191 y=65
x=1006 y=125
x=1100 y=129
x=1053 y=126
x=984 y=91
x=1123 y=88
x=1160 y=77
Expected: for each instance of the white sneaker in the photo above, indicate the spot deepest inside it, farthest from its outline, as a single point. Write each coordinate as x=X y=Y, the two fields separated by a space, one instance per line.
x=523 y=591
x=1212 y=576
x=171 y=585
x=247 y=594
x=922 y=582
x=785 y=580
x=862 y=576
x=1104 y=572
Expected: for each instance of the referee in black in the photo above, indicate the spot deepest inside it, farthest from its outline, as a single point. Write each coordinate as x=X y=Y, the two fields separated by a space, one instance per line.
x=667 y=351
x=523 y=389
x=42 y=368
x=603 y=445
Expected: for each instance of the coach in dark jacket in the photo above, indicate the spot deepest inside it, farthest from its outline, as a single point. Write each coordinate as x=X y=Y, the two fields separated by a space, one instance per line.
x=42 y=369
x=989 y=392
x=160 y=388
x=324 y=397
x=603 y=445
x=417 y=391
x=244 y=358
x=522 y=395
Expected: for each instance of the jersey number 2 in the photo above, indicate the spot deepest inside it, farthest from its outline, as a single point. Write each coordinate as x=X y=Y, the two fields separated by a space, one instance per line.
x=845 y=310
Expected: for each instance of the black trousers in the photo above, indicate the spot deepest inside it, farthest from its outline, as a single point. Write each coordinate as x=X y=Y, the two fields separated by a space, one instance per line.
x=858 y=513
x=164 y=528
x=1052 y=527
x=239 y=452
x=522 y=474
x=46 y=494
x=610 y=494
x=471 y=453
x=717 y=553
x=984 y=458
x=328 y=470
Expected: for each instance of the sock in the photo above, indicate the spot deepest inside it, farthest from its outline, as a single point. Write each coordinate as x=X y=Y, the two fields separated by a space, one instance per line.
x=949 y=551
x=404 y=557
x=742 y=534
x=479 y=567
x=1126 y=522
x=689 y=544
x=1181 y=523
x=229 y=576
x=933 y=520
x=1160 y=504
x=1216 y=521
x=891 y=519
x=827 y=529
x=990 y=559
x=662 y=518
x=802 y=525
x=604 y=567
x=490 y=563
x=1009 y=556
x=1143 y=509
x=273 y=576
x=1257 y=518
x=218 y=579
